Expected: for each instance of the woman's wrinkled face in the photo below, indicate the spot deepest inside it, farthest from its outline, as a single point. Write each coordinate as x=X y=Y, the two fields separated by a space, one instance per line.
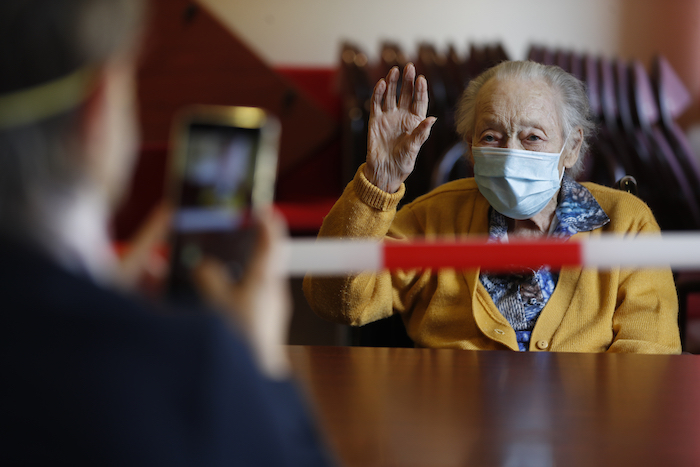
x=520 y=114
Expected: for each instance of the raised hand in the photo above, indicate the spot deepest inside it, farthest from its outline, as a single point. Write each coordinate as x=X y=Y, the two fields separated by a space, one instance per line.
x=396 y=133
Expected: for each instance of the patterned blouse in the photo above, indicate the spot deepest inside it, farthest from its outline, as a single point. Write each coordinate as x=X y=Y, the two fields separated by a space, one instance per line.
x=521 y=297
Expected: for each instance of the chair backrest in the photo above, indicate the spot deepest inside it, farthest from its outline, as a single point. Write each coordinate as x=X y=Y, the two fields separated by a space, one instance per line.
x=390 y=55
x=675 y=188
x=645 y=112
x=548 y=56
x=428 y=64
x=457 y=67
x=681 y=197
x=592 y=80
x=622 y=93
x=475 y=61
x=606 y=167
x=356 y=90
x=686 y=155
x=608 y=97
x=576 y=65
x=536 y=53
x=627 y=183
x=495 y=54
x=672 y=97
x=452 y=165
x=562 y=58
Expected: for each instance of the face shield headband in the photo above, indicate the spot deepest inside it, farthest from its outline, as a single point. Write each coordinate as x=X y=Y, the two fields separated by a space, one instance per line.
x=37 y=103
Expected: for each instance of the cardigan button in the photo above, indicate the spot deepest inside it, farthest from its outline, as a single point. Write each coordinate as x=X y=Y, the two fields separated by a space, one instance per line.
x=542 y=345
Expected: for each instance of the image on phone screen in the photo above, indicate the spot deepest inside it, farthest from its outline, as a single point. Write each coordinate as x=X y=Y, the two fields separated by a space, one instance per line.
x=213 y=209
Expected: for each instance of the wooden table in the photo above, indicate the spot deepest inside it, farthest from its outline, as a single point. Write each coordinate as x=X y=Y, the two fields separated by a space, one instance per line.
x=424 y=407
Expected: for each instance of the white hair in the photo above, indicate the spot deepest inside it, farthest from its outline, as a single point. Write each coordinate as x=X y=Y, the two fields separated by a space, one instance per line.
x=574 y=110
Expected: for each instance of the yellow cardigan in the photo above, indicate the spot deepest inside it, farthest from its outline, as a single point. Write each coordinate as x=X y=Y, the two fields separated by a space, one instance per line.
x=620 y=310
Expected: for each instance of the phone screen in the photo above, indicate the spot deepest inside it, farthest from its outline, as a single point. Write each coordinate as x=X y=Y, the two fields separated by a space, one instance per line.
x=216 y=168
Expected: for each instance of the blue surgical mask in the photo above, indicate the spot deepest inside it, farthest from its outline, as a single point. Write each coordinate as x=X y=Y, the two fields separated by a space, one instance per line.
x=516 y=182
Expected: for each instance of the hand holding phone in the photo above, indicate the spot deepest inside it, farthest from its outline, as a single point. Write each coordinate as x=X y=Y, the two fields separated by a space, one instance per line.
x=225 y=236
x=224 y=167
x=260 y=304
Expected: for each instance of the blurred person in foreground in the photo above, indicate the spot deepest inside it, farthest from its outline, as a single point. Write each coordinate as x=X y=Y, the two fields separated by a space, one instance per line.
x=92 y=375
x=525 y=125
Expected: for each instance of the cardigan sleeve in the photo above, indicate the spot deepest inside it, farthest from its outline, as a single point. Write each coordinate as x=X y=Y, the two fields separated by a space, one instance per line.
x=363 y=211
x=646 y=316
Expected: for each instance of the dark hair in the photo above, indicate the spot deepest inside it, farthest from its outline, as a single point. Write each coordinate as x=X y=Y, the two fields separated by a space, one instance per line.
x=42 y=41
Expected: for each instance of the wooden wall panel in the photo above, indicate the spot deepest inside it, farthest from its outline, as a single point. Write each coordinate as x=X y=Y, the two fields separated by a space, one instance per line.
x=191 y=58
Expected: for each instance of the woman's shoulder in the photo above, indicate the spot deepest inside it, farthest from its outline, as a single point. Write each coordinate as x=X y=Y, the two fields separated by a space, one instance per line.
x=612 y=197
x=620 y=206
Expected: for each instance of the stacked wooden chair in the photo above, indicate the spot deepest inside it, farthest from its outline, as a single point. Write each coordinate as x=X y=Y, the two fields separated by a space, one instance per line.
x=637 y=134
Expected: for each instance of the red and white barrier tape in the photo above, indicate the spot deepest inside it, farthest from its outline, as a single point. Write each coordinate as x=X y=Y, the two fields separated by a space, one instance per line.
x=680 y=251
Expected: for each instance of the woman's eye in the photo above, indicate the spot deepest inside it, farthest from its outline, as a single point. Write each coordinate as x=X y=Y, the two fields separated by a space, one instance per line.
x=534 y=138
x=489 y=138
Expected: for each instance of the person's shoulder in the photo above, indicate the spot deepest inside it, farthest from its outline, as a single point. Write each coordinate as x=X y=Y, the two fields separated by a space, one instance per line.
x=621 y=207
x=86 y=312
x=609 y=197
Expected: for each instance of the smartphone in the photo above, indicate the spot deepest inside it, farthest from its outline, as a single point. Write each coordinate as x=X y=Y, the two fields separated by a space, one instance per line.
x=223 y=169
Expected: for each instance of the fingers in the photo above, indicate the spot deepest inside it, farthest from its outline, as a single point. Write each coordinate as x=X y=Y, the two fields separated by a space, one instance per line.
x=392 y=79
x=409 y=77
x=141 y=258
x=213 y=282
x=264 y=268
x=267 y=257
x=420 y=99
x=154 y=230
x=377 y=97
x=414 y=92
x=260 y=304
x=420 y=134
x=268 y=310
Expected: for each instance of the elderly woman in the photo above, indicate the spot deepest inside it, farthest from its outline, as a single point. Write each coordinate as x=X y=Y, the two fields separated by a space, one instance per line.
x=526 y=126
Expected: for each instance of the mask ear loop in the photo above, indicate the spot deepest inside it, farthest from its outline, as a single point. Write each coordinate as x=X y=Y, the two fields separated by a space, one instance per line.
x=561 y=176
x=555 y=221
